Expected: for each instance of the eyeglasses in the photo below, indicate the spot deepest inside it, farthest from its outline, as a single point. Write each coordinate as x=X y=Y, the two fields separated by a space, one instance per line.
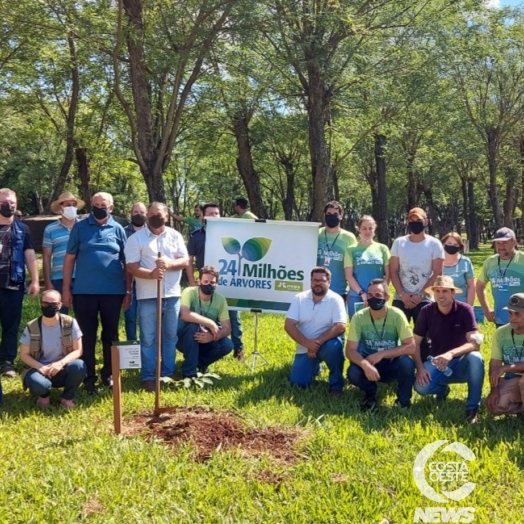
x=318 y=281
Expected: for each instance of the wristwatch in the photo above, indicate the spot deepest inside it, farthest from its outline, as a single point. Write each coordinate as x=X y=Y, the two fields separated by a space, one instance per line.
x=361 y=292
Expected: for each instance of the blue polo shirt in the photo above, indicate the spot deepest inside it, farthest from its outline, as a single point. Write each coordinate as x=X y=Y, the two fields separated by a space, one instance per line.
x=196 y=247
x=445 y=331
x=100 y=261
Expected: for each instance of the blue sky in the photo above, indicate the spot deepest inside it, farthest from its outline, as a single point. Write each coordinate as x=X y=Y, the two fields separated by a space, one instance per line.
x=505 y=3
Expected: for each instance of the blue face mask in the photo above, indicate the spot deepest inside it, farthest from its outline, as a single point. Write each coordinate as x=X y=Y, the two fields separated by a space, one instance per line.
x=416 y=227
x=332 y=220
x=376 y=303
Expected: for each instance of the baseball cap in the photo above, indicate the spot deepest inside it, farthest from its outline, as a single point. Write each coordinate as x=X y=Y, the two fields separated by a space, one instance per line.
x=504 y=233
x=417 y=213
x=516 y=302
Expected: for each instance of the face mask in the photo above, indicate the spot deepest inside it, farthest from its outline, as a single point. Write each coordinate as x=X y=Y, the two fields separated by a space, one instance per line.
x=207 y=289
x=69 y=213
x=156 y=221
x=100 y=212
x=376 y=303
x=452 y=250
x=49 y=311
x=138 y=220
x=332 y=220
x=416 y=227
x=7 y=210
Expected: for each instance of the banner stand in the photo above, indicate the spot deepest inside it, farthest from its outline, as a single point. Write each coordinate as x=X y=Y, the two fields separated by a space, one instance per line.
x=256 y=354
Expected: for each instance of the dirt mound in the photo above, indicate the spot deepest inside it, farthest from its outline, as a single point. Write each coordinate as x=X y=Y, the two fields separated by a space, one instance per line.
x=210 y=431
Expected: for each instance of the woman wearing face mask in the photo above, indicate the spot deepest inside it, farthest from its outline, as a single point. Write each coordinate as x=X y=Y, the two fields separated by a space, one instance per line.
x=459 y=267
x=364 y=262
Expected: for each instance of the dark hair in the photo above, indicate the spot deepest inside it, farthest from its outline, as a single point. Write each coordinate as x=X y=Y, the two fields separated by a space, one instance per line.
x=379 y=282
x=208 y=270
x=321 y=269
x=209 y=204
x=199 y=207
x=242 y=202
x=335 y=205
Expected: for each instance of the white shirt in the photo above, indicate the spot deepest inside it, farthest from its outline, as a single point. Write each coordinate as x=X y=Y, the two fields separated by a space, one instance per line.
x=314 y=318
x=143 y=247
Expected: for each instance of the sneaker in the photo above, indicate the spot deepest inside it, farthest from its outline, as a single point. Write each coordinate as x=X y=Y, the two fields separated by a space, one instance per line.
x=176 y=376
x=368 y=404
x=403 y=405
x=204 y=371
x=149 y=386
x=91 y=388
x=444 y=396
x=43 y=402
x=335 y=393
x=108 y=381
x=472 y=416
x=8 y=370
x=66 y=403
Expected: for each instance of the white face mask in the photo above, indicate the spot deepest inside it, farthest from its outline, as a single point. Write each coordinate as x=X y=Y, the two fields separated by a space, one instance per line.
x=69 y=212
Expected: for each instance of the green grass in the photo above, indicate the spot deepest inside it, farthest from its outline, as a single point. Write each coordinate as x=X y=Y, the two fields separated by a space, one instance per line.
x=65 y=467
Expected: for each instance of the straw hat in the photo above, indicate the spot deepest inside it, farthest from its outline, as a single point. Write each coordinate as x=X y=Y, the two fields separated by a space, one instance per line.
x=443 y=281
x=55 y=206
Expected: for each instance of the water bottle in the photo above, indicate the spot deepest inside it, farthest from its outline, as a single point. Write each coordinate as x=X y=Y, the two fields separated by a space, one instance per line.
x=447 y=372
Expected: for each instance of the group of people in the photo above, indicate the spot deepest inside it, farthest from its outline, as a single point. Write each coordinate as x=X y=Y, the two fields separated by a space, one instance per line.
x=97 y=267
x=435 y=287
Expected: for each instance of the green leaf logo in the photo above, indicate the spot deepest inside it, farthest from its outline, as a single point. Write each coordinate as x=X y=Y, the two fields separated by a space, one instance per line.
x=255 y=248
x=231 y=245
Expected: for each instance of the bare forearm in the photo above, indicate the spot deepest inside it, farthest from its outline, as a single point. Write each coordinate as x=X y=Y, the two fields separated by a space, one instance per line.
x=69 y=264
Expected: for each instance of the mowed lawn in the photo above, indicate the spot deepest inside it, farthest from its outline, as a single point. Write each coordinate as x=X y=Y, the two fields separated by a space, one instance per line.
x=65 y=467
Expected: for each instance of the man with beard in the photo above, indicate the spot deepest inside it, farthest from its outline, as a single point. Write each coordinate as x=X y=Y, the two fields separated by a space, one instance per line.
x=454 y=356
x=374 y=351
x=195 y=222
x=157 y=253
x=505 y=272
x=138 y=221
x=316 y=321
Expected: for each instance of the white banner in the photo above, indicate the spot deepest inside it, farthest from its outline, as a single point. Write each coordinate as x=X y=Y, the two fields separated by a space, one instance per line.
x=261 y=264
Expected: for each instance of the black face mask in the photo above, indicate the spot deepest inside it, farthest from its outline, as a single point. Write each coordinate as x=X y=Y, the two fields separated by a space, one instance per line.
x=7 y=210
x=100 y=212
x=49 y=311
x=416 y=227
x=332 y=220
x=452 y=250
x=207 y=289
x=376 y=303
x=138 y=220
x=156 y=221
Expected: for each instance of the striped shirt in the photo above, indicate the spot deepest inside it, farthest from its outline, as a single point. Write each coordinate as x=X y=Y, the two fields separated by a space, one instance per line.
x=56 y=236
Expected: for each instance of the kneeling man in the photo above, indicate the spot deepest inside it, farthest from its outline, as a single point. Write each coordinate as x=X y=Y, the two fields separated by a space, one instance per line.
x=374 y=351
x=454 y=354
x=204 y=326
x=51 y=347
x=506 y=367
x=316 y=321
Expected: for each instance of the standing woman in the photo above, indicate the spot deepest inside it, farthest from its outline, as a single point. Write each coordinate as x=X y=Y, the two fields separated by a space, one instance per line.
x=364 y=262
x=459 y=267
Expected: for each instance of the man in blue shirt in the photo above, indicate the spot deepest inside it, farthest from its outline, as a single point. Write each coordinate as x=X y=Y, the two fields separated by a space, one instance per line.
x=96 y=244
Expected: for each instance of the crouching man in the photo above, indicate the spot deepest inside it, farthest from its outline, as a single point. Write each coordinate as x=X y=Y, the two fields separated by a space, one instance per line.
x=506 y=367
x=204 y=326
x=51 y=347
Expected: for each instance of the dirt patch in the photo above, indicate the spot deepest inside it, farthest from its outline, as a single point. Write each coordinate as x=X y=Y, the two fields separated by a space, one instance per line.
x=210 y=431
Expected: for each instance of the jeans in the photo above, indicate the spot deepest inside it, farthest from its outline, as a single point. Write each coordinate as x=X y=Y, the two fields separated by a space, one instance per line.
x=401 y=369
x=87 y=308
x=147 y=319
x=413 y=314
x=69 y=378
x=199 y=356
x=130 y=317
x=10 y=317
x=467 y=369
x=305 y=369
x=236 y=329
x=59 y=286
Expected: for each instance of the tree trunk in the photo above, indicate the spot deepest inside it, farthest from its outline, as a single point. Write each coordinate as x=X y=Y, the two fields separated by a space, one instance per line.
x=250 y=177
x=289 y=199
x=521 y=148
x=472 y=214
x=464 y=189
x=510 y=201
x=381 y=204
x=85 y=176
x=493 y=138
x=412 y=181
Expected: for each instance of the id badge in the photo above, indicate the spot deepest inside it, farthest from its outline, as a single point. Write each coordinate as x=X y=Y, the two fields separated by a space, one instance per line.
x=503 y=287
x=327 y=261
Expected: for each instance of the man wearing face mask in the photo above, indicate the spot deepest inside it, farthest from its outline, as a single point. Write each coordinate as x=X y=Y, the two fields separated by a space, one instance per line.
x=204 y=326
x=51 y=348
x=56 y=237
x=333 y=242
x=16 y=251
x=374 y=351
x=416 y=261
x=147 y=267
x=96 y=246
x=138 y=221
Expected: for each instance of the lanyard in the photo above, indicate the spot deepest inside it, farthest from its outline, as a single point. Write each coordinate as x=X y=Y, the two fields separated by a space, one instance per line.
x=519 y=354
x=506 y=268
x=384 y=325
x=202 y=312
x=333 y=243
